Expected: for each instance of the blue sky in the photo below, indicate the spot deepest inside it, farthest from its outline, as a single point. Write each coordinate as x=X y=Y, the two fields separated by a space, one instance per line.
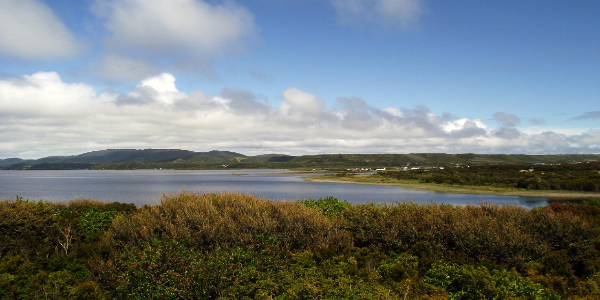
x=299 y=76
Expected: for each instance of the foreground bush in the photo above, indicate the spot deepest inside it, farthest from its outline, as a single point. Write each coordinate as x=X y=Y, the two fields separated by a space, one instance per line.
x=232 y=246
x=227 y=220
x=46 y=249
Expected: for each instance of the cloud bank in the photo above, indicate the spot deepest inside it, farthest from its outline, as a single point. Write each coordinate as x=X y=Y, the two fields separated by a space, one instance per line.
x=42 y=115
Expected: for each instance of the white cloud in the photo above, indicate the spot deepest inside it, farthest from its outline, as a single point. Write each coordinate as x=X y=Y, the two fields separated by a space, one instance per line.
x=390 y=14
x=301 y=106
x=42 y=115
x=589 y=138
x=191 y=28
x=30 y=30
x=164 y=82
x=461 y=123
x=157 y=89
x=549 y=142
x=44 y=95
x=182 y=35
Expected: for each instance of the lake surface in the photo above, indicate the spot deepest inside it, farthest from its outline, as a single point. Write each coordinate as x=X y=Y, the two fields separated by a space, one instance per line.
x=147 y=186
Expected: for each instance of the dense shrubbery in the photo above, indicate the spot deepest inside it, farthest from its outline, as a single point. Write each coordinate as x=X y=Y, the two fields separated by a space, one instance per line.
x=47 y=249
x=232 y=246
x=572 y=177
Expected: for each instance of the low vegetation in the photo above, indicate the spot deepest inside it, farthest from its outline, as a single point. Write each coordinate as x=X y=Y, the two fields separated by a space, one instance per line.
x=233 y=246
x=580 y=177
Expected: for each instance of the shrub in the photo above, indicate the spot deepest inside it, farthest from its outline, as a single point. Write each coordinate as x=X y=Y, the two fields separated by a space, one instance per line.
x=329 y=206
x=487 y=232
x=233 y=246
x=227 y=220
x=477 y=282
x=94 y=220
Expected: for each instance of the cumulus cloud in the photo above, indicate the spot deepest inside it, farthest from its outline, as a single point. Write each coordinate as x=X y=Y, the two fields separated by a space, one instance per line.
x=30 y=30
x=550 y=142
x=44 y=95
x=390 y=14
x=300 y=106
x=157 y=89
x=356 y=114
x=590 y=138
x=190 y=31
x=42 y=115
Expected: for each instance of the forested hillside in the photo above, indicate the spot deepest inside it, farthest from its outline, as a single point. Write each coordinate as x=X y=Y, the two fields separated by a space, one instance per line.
x=183 y=159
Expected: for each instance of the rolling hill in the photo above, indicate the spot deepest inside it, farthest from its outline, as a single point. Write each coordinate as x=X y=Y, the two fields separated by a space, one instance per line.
x=185 y=159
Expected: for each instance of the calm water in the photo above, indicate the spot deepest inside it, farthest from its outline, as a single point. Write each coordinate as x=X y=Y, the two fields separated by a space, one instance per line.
x=146 y=187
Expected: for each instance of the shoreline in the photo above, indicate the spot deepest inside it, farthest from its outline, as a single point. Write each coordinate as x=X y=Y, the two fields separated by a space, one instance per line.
x=448 y=189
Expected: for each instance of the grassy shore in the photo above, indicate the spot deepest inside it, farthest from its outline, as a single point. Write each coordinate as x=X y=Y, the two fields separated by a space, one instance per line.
x=451 y=189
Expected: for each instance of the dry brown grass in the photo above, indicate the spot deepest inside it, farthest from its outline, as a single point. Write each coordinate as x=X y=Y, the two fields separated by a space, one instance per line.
x=227 y=220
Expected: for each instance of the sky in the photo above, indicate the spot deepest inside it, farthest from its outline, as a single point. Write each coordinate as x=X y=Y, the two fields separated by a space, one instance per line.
x=299 y=77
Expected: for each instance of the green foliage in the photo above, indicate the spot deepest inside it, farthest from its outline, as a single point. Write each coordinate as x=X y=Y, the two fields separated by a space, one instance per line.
x=593 y=202
x=232 y=246
x=95 y=220
x=167 y=270
x=477 y=282
x=329 y=206
x=45 y=249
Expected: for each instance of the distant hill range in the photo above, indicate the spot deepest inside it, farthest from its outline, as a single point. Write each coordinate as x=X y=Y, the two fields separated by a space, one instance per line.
x=184 y=159
x=135 y=158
